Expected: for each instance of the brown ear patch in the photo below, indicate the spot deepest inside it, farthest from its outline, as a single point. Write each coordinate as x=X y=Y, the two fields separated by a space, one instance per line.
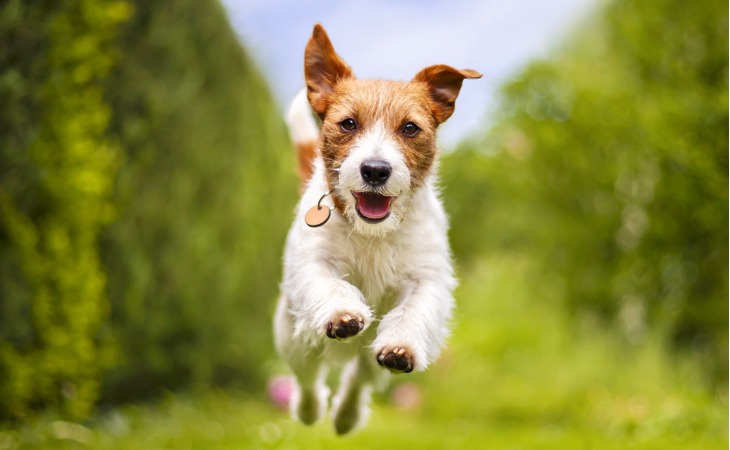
x=444 y=84
x=323 y=69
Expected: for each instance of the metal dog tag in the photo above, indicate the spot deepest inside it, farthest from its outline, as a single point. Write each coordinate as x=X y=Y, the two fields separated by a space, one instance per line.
x=318 y=215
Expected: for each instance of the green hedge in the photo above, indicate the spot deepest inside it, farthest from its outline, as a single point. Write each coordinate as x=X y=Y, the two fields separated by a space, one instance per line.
x=608 y=166
x=206 y=192
x=56 y=167
x=146 y=186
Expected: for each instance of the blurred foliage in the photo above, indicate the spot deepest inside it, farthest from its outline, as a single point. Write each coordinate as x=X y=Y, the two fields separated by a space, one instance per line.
x=179 y=150
x=503 y=383
x=56 y=167
x=608 y=166
x=206 y=192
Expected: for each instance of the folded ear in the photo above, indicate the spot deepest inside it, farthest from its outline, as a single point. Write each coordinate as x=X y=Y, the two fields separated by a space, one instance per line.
x=323 y=68
x=444 y=83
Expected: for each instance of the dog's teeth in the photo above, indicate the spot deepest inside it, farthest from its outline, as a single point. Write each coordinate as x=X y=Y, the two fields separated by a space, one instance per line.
x=400 y=351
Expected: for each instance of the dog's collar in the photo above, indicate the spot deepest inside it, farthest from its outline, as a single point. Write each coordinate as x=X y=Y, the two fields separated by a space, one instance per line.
x=318 y=215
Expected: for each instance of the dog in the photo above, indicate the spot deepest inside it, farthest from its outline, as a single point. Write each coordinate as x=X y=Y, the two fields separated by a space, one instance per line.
x=368 y=276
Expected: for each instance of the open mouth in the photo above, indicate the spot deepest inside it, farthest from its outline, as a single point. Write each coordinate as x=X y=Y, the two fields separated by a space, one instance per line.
x=372 y=207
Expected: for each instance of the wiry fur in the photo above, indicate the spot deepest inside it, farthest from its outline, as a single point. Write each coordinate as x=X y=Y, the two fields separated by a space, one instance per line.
x=395 y=277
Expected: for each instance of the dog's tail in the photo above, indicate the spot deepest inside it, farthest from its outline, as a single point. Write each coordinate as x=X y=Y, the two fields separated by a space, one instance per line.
x=304 y=133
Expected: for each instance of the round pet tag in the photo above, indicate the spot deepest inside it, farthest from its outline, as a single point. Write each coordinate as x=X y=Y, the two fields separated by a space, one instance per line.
x=317 y=216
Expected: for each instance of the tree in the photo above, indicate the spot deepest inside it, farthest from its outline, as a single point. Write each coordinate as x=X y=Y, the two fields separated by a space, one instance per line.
x=608 y=163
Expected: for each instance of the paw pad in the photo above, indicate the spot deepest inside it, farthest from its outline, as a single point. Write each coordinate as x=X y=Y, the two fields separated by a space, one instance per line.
x=345 y=326
x=397 y=359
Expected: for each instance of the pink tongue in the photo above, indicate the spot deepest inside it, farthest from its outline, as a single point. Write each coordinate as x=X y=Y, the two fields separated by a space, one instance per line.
x=373 y=206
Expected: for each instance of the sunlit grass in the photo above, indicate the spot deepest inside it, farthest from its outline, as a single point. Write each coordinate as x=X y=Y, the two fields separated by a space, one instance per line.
x=518 y=374
x=521 y=362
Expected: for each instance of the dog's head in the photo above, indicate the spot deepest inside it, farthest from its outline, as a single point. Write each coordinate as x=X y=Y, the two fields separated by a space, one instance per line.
x=378 y=137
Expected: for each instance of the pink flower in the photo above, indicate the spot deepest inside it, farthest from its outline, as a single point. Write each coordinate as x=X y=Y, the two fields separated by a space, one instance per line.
x=280 y=389
x=406 y=396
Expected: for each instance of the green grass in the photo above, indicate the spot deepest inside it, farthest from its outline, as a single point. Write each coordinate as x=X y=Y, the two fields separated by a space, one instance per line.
x=518 y=374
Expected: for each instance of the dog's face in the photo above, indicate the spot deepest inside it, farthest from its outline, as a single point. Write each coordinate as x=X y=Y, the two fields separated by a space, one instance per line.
x=378 y=138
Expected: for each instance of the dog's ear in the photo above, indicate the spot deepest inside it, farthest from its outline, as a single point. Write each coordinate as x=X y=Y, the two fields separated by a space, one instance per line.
x=323 y=68
x=444 y=83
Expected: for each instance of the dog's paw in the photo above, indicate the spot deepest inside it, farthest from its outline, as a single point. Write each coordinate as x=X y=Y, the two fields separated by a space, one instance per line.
x=396 y=359
x=346 y=325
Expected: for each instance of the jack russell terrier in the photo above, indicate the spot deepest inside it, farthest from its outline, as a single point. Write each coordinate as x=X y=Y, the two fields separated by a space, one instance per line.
x=368 y=277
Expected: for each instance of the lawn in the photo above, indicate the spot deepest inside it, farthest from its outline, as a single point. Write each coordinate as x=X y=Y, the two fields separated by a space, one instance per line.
x=518 y=374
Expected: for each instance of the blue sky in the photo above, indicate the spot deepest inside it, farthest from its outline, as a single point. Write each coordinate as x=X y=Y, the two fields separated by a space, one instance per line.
x=395 y=39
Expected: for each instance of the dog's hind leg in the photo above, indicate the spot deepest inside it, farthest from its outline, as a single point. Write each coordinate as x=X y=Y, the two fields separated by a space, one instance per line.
x=309 y=400
x=350 y=405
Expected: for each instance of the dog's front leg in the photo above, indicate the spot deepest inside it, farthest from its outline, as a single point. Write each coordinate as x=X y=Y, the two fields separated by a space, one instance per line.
x=323 y=304
x=315 y=303
x=411 y=335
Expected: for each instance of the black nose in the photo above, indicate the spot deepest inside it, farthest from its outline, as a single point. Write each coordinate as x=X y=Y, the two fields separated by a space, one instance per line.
x=375 y=173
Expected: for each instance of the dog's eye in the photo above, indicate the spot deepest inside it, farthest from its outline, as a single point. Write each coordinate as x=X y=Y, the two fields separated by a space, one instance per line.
x=410 y=129
x=349 y=125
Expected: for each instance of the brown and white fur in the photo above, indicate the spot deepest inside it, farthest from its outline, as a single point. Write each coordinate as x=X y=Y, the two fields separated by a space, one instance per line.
x=373 y=285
